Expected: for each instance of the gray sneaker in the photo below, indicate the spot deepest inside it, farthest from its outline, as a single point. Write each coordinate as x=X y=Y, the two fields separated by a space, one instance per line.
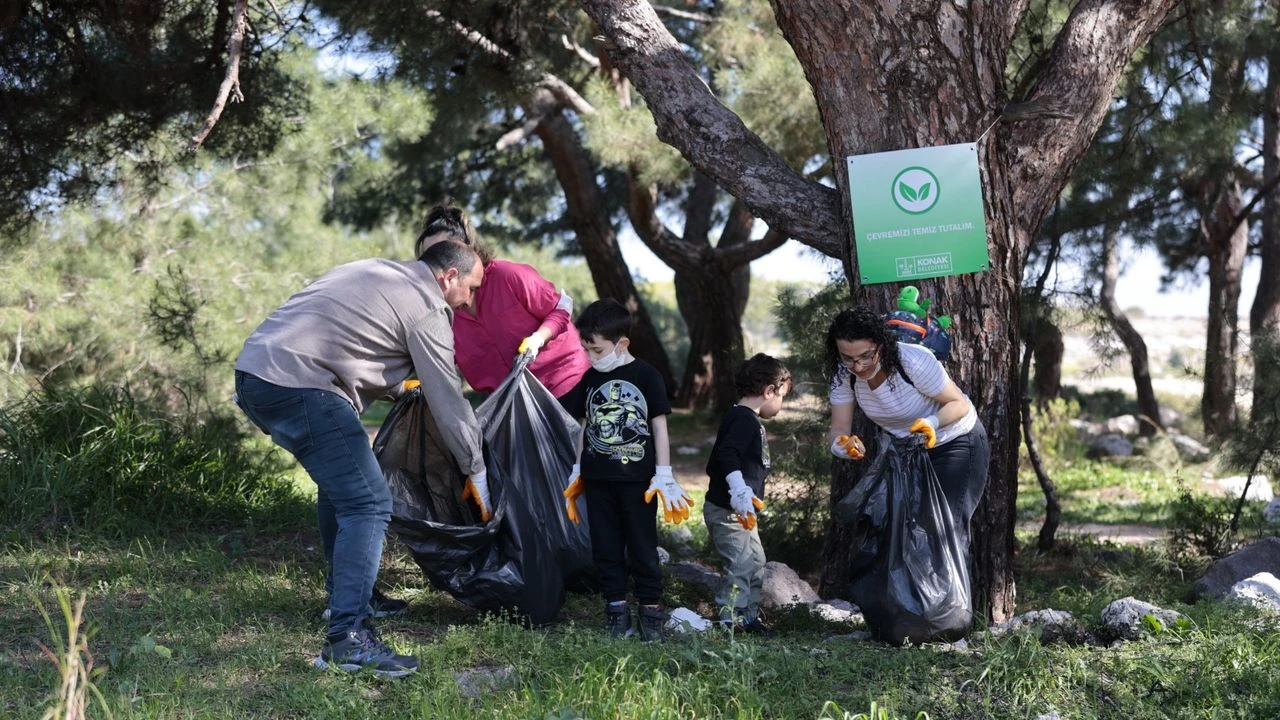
x=358 y=649
x=617 y=620
x=383 y=606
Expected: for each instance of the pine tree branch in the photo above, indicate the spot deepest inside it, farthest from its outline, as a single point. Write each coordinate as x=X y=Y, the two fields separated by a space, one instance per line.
x=230 y=87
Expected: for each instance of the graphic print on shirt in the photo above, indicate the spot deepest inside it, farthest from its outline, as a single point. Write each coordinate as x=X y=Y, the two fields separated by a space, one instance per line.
x=764 y=450
x=617 y=421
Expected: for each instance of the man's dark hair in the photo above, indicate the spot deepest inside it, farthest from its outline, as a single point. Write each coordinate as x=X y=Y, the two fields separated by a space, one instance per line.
x=449 y=254
x=757 y=373
x=605 y=318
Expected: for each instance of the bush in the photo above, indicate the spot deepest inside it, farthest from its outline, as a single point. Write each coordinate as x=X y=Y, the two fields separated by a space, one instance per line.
x=1057 y=442
x=97 y=459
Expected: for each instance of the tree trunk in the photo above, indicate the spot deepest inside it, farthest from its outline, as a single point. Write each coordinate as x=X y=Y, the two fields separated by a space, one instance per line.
x=1047 y=350
x=1148 y=407
x=1264 y=315
x=712 y=302
x=596 y=236
x=1226 y=242
x=902 y=75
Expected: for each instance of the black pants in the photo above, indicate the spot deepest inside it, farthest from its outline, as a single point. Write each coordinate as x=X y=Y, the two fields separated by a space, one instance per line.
x=624 y=537
x=961 y=466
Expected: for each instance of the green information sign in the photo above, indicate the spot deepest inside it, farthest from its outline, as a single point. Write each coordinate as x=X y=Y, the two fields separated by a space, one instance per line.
x=918 y=213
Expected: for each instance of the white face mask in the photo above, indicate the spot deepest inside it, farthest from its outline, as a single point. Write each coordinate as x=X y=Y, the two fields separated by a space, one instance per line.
x=609 y=362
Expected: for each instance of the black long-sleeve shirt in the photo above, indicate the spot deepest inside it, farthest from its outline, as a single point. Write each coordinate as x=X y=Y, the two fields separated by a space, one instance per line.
x=740 y=445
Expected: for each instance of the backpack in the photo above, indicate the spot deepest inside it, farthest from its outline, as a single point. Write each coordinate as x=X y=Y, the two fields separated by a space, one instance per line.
x=913 y=323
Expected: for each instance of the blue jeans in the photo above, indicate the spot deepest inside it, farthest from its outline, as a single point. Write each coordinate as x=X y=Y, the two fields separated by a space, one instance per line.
x=353 y=503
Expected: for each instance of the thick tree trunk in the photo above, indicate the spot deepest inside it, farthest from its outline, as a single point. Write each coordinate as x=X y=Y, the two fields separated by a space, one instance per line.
x=596 y=236
x=1264 y=315
x=903 y=75
x=1047 y=351
x=1148 y=407
x=1226 y=242
x=712 y=302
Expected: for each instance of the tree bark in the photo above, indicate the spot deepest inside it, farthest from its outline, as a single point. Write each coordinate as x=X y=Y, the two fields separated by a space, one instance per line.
x=1047 y=351
x=1148 y=407
x=901 y=75
x=585 y=204
x=1226 y=243
x=1264 y=314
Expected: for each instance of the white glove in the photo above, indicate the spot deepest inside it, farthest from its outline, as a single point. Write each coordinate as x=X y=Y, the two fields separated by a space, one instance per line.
x=531 y=345
x=675 y=501
x=743 y=500
x=477 y=489
x=848 y=447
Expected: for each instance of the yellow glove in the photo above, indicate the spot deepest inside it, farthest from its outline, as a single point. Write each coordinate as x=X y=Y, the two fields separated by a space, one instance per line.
x=477 y=489
x=848 y=447
x=531 y=345
x=410 y=384
x=927 y=427
x=571 y=494
x=675 y=501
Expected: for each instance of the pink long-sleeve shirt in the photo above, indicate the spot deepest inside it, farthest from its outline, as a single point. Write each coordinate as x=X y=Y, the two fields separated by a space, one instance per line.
x=511 y=304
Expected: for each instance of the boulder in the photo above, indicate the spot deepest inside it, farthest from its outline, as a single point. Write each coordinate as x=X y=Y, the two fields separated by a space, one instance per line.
x=1271 y=513
x=1125 y=618
x=1261 y=591
x=782 y=586
x=1262 y=556
x=1110 y=445
x=1127 y=425
x=1191 y=450
x=696 y=574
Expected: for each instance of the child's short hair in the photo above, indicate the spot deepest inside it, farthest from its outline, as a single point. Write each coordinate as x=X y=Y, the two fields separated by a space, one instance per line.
x=759 y=372
x=605 y=318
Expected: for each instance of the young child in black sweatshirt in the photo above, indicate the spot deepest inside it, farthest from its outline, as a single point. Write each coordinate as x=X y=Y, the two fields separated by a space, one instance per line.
x=738 y=467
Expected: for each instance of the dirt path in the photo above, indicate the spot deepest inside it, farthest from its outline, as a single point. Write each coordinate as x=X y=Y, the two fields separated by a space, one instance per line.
x=1119 y=534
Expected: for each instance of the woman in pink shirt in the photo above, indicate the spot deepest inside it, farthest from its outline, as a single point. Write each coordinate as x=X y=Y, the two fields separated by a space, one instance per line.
x=516 y=311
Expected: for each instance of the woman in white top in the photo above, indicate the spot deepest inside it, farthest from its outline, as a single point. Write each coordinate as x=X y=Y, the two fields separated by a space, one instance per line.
x=903 y=389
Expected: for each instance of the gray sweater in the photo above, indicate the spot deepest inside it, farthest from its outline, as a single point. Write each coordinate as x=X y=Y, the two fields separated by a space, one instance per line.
x=358 y=331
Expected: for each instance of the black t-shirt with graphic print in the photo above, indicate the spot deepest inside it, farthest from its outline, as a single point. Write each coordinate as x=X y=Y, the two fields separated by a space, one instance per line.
x=619 y=407
x=740 y=445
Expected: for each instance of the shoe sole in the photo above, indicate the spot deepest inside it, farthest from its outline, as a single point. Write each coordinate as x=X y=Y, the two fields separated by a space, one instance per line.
x=321 y=664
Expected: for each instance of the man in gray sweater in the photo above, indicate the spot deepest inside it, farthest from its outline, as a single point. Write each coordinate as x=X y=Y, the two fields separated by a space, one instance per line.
x=309 y=370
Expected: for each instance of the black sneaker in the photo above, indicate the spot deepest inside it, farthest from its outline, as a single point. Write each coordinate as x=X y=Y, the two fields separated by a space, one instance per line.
x=617 y=620
x=358 y=649
x=753 y=627
x=653 y=623
x=383 y=606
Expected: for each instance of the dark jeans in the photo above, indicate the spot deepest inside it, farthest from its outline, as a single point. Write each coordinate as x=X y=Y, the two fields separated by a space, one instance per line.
x=353 y=503
x=624 y=537
x=961 y=466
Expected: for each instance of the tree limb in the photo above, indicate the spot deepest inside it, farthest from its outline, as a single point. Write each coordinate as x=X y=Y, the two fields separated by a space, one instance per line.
x=230 y=87
x=710 y=135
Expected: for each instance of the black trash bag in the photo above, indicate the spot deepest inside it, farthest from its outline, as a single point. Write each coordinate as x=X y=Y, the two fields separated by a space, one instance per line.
x=910 y=559
x=512 y=563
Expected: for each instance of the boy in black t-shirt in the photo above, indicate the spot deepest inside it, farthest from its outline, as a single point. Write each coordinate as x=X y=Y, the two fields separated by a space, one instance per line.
x=738 y=467
x=625 y=462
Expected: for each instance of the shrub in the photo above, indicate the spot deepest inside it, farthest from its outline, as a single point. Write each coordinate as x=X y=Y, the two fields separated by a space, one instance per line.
x=98 y=459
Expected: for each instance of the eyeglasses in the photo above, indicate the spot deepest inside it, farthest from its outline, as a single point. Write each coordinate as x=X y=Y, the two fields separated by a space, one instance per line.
x=863 y=359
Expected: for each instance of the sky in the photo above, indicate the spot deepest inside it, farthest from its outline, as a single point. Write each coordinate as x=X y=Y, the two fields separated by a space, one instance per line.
x=1139 y=284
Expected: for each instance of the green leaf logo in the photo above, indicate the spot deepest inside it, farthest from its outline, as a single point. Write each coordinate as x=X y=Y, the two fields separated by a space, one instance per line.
x=915 y=190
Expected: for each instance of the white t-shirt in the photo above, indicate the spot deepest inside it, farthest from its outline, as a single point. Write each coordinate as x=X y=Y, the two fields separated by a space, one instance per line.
x=897 y=404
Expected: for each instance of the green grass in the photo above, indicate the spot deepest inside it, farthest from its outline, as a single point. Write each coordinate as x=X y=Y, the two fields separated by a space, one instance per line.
x=218 y=627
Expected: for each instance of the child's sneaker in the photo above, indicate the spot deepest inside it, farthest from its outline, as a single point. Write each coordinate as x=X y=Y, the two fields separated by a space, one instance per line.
x=753 y=627
x=617 y=619
x=360 y=648
x=652 y=622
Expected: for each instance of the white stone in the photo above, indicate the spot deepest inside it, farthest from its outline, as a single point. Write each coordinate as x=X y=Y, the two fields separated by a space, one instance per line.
x=684 y=620
x=1259 y=488
x=782 y=586
x=1123 y=424
x=1262 y=591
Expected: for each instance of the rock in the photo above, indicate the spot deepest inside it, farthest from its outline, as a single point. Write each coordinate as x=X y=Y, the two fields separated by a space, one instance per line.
x=1162 y=452
x=696 y=574
x=1262 y=556
x=1261 y=591
x=678 y=538
x=782 y=586
x=1271 y=513
x=1126 y=618
x=483 y=680
x=1122 y=425
x=1191 y=450
x=831 y=613
x=684 y=620
x=664 y=556
x=1110 y=445
x=1085 y=430
x=1170 y=418
x=1259 y=487
x=1050 y=625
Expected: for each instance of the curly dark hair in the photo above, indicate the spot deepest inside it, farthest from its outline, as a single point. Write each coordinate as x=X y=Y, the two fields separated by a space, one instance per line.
x=757 y=373
x=863 y=324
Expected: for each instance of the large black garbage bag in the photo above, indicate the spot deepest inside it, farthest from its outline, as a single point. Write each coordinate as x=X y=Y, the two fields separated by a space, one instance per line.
x=517 y=561
x=910 y=560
